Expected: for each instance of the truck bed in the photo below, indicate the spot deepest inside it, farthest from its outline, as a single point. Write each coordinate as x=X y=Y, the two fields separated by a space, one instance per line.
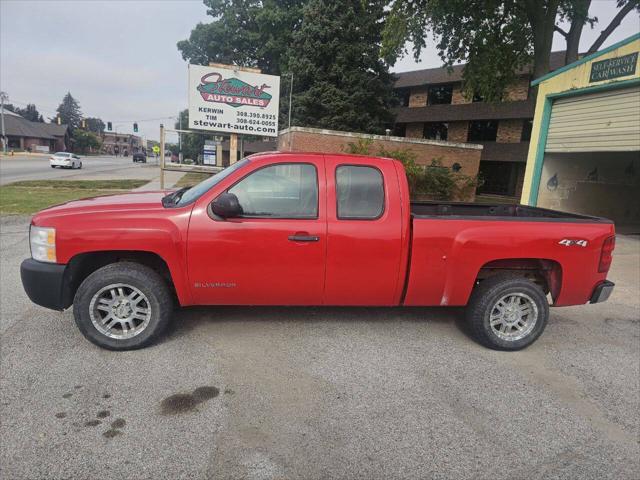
x=455 y=210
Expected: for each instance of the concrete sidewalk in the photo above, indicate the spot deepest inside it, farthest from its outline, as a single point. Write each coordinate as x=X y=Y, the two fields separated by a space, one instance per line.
x=170 y=179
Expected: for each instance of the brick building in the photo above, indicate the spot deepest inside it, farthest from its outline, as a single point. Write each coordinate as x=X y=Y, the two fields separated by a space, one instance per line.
x=121 y=142
x=433 y=107
x=463 y=158
x=23 y=134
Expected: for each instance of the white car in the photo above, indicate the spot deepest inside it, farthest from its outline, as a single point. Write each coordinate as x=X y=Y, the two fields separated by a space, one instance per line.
x=65 y=159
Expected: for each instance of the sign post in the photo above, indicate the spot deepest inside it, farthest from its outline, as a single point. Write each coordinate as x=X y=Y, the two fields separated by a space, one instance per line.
x=161 y=157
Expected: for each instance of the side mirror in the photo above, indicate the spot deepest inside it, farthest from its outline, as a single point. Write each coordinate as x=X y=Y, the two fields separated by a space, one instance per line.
x=226 y=206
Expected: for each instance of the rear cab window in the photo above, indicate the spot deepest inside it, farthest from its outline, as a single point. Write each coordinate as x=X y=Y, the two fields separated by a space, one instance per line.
x=359 y=192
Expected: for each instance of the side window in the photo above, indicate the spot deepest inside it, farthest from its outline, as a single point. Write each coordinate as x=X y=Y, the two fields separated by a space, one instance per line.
x=360 y=192
x=279 y=191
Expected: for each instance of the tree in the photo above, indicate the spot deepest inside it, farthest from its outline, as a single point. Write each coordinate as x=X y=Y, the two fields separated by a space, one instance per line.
x=69 y=112
x=95 y=125
x=496 y=38
x=339 y=80
x=278 y=36
x=249 y=33
x=29 y=112
x=86 y=141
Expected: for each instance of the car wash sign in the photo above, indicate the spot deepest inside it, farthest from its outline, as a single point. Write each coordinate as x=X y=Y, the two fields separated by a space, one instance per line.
x=233 y=101
x=613 y=68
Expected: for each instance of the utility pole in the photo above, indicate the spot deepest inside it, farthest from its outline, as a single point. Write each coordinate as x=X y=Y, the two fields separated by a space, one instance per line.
x=3 y=98
x=180 y=138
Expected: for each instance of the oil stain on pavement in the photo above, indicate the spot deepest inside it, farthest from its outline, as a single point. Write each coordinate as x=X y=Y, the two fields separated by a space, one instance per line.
x=187 y=402
x=116 y=427
x=118 y=424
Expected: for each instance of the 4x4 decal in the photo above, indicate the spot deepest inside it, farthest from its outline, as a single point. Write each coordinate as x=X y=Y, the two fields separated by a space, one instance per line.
x=567 y=242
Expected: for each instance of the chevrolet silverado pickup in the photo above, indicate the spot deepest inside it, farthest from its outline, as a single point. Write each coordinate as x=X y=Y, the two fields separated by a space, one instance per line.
x=310 y=229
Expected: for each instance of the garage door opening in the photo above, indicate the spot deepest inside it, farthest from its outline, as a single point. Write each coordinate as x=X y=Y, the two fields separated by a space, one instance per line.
x=604 y=184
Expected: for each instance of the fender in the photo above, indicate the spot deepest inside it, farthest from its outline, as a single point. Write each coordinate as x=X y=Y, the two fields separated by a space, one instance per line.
x=158 y=231
x=449 y=254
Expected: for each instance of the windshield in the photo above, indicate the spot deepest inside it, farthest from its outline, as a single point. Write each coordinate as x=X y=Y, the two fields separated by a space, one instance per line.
x=198 y=190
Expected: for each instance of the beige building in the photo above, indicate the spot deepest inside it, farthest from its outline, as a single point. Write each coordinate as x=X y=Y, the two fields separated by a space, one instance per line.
x=585 y=151
x=121 y=143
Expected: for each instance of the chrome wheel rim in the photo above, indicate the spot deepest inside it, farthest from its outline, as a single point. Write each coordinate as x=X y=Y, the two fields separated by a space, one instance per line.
x=513 y=317
x=120 y=311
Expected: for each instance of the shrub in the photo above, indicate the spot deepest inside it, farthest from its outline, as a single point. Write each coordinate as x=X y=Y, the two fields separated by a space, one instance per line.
x=435 y=182
x=362 y=147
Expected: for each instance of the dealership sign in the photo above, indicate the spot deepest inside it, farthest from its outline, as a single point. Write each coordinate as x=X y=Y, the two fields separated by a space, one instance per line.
x=233 y=101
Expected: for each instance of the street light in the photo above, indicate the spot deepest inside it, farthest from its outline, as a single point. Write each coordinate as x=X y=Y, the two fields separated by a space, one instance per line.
x=3 y=98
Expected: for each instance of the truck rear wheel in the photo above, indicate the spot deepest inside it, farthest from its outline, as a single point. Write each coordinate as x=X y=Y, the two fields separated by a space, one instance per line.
x=123 y=306
x=507 y=312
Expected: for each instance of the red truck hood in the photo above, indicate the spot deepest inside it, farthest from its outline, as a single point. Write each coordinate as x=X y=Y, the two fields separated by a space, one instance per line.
x=121 y=202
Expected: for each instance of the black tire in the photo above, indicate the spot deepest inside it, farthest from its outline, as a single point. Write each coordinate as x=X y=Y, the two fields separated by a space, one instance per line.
x=483 y=301
x=143 y=278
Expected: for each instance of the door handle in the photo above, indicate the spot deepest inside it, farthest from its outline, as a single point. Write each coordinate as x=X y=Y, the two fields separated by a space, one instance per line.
x=303 y=238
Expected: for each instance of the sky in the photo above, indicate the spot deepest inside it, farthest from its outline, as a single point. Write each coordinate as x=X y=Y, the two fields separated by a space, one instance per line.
x=119 y=59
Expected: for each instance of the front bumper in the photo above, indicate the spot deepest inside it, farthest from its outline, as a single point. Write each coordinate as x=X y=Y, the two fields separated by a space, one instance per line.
x=602 y=292
x=44 y=283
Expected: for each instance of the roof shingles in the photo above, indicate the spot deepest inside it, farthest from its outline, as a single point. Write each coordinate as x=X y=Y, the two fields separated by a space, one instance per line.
x=454 y=74
x=17 y=126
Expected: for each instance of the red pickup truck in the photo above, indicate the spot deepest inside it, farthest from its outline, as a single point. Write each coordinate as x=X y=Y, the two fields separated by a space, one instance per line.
x=310 y=229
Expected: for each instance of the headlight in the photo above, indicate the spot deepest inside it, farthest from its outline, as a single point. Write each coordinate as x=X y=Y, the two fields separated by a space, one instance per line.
x=42 y=241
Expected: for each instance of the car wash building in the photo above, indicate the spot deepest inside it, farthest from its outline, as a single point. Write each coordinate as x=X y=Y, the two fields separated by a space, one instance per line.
x=584 y=155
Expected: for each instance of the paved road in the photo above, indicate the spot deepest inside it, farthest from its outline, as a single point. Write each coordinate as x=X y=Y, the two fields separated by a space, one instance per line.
x=27 y=167
x=288 y=393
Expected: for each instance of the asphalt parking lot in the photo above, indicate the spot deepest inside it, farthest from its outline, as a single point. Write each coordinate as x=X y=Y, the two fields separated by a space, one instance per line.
x=279 y=393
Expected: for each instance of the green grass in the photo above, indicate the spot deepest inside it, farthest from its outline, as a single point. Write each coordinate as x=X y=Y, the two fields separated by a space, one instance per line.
x=191 y=178
x=31 y=196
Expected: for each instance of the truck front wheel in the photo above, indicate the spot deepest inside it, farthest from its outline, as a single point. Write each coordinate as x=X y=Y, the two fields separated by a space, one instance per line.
x=123 y=306
x=507 y=312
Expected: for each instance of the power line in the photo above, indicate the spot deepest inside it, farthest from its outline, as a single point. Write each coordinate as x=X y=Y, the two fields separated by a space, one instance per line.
x=54 y=113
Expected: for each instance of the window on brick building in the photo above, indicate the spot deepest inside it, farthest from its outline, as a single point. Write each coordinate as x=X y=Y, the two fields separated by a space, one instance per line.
x=439 y=95
x=527 y=125
x=403 y=94
x=479 y=98
x=400 y=130
x=482 y=131
x=435 y=130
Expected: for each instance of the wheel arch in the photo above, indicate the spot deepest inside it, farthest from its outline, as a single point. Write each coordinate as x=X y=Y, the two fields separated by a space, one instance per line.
x=545 y=272
x=84 y=264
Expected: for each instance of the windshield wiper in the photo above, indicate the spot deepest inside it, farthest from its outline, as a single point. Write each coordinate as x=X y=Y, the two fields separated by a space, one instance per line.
x=174 y=197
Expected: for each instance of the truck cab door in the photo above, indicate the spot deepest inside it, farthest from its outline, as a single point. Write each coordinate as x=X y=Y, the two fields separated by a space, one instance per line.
x=364 y=224
x=274 y=252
